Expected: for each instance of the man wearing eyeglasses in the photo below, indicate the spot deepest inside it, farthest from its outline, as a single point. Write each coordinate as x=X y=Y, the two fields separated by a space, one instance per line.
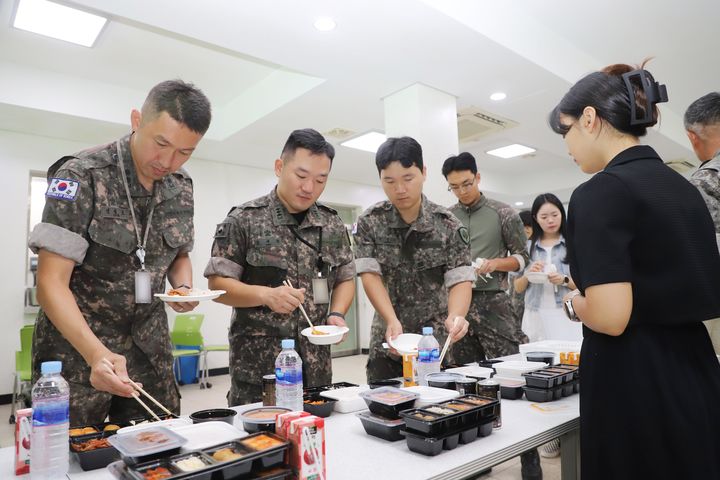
x=495 y=230
x=499 y=245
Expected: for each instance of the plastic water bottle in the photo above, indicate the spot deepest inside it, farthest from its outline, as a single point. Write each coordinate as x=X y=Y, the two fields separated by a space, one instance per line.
x=288 y=377
x=428 y=355
x=50 y=423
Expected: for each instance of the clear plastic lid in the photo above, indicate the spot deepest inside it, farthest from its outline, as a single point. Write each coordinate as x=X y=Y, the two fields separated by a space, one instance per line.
x=262 y=414
x=388 y=395
x=444 y=377
x=146 y=441
x=386 y=422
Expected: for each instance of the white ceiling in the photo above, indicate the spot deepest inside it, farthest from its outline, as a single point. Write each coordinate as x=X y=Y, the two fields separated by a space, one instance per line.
x=267 y=71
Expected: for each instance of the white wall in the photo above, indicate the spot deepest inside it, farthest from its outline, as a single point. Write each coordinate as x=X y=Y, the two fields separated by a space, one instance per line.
x=218 y=186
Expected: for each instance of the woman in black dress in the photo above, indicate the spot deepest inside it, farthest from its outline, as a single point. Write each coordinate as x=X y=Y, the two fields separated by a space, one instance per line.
x=642 y=251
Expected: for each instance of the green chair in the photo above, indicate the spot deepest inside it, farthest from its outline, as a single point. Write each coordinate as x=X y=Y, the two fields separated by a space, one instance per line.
x=186 y=331
x=23 y=370
x=207 y=349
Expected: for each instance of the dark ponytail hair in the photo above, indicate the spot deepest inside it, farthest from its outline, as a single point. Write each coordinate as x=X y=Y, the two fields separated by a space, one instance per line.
x=608 y=93
x=537 y=231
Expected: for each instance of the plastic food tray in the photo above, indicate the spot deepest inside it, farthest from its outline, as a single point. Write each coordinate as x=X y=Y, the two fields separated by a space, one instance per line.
x=555 y=346
x=325 y=388
x=97 y=458
x=381 y=427
x=543 y=394
x=322 y=410
x=472 y=371
x=515 y=369
x=388 y=401
x=430 y=395
x=147 y=444
x=207 y=434
x=348 y=398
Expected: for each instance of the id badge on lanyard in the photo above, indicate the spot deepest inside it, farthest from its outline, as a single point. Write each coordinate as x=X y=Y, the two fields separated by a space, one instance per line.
x=143 y=281
x=320 y=291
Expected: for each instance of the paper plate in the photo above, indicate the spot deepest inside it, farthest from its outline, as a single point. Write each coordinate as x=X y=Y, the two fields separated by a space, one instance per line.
x=334 y=334
x=406 y=343
x=537 y=277
x=207 y=295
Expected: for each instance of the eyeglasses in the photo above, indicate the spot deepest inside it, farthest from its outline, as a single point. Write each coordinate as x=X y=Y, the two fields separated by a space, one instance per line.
x=460 y=188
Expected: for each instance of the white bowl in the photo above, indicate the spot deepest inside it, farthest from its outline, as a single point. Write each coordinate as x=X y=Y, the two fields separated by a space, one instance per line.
x=406 y=343
x=334 y=334
x=537 y=277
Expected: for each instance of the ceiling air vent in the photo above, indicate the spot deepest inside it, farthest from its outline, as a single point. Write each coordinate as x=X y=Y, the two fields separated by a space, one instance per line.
x=339 y=133
x=474 y=123
x=681 y=165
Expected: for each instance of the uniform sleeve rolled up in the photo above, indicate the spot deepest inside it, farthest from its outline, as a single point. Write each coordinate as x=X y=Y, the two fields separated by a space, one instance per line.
x=367 y=265
x=58 y=240
x=223 y=267
x=459 y=275
x=345 y=272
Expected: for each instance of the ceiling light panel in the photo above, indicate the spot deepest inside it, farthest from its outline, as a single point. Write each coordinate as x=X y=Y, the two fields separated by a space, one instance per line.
x=58 y=21
x=510 y=151
x=368 y=142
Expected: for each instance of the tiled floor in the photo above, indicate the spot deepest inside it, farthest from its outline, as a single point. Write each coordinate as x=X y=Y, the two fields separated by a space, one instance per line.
x=345 y=369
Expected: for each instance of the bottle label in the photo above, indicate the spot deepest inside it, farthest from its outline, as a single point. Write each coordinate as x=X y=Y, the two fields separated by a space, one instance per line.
x=51 y=413
x=289 y=376
x=427 y=356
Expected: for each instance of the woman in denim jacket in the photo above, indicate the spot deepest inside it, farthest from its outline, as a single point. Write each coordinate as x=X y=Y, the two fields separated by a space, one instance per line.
x=544 y=318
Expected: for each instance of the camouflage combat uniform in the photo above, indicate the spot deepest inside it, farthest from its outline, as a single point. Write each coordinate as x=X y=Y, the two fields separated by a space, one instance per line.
x=495 y=229
x=707 y=180
x=96 y=231
x=256 y=245
x=418 y=264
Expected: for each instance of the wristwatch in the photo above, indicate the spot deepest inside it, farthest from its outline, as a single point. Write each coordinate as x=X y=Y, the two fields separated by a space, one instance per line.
x=566 y=280
x=336 y=314
x=568 y=306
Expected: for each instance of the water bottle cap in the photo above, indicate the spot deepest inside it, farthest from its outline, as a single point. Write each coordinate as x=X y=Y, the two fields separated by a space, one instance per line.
x=427 y=330
x=288 y=343
x=51 y=367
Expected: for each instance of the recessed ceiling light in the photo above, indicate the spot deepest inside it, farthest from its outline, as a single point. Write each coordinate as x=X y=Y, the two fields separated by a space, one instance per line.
x=519 y=204
x=510 y=151
x=324 y=24
x=497 y=96
x=58 y=21
x=368 y=142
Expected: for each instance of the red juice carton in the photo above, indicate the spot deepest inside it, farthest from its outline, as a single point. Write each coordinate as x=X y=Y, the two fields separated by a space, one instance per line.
x=307 y=435
x=282 y=421
x=23 y=427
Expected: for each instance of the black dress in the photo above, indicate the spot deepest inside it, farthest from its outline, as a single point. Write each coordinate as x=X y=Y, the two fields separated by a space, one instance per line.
x=650 y=398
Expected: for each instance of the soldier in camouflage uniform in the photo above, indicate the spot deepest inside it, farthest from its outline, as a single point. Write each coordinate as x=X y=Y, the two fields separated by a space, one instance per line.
x=284 y=235
x=497 y=236
x=87 y=249
x=702 y=122
x=413 y=258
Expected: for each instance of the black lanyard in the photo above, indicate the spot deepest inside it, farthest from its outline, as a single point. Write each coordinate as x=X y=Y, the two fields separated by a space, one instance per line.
x=318 y=249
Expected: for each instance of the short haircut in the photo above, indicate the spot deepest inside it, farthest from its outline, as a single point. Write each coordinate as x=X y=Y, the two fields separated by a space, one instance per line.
x=184 y=102
x=705 y=111
x=308 y=139
x=459 y=163
x=405 y=150
x=526 y=217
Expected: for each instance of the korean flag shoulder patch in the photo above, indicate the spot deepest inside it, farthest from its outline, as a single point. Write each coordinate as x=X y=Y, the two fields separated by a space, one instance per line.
x=63 y=189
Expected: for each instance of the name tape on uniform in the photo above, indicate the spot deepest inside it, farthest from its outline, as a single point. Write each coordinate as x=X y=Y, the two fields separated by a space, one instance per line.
x=62 y=189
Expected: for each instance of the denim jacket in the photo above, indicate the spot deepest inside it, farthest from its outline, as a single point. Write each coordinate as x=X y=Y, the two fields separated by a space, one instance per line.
x=534 y=292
